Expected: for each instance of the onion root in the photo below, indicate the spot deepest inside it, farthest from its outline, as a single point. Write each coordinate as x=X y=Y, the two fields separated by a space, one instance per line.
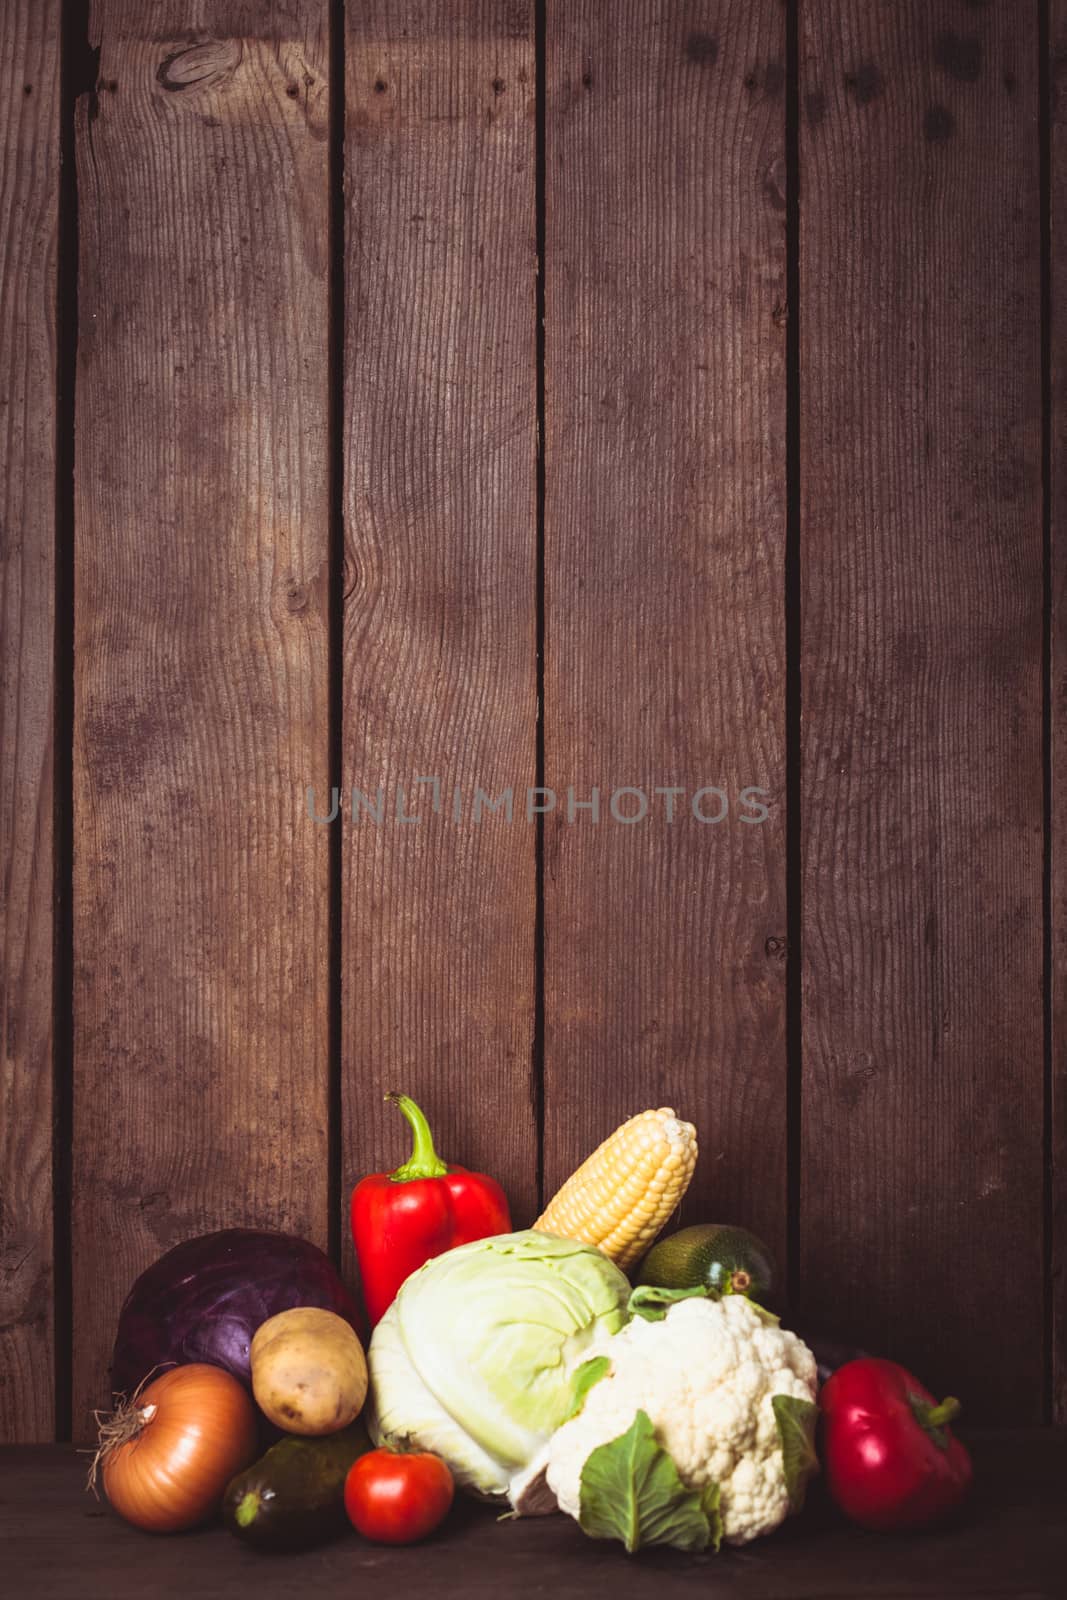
x=115 y=1428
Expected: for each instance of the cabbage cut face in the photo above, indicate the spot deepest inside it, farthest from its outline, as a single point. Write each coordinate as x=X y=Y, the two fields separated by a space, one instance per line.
x=475 y=1358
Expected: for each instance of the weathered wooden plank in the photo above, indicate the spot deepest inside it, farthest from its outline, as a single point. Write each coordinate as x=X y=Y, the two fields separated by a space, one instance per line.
x=201 y=886
x=664 y=583
x=29 y=197
x=1057 y=356
x=439 y=634
x=921 y=557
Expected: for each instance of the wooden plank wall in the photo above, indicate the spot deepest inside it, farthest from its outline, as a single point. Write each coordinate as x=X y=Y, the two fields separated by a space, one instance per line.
x=29 y=187
x=201 y=891
x=440 y=583
x=664 y=536
x=261 y=606
x=1056 y=466
x=921 y=555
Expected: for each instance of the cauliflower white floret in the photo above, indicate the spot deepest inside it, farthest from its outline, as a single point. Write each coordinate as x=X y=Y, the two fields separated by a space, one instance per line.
x=706 y=1376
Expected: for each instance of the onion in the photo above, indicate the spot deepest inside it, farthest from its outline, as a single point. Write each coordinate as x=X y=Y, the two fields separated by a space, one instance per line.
x=168 y=1453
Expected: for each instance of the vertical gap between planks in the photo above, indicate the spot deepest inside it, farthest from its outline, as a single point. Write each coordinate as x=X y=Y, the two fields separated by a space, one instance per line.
x=793 y=859
x=335 y=378
x=538 y=1064
x=1045 y=136
x=78 y=65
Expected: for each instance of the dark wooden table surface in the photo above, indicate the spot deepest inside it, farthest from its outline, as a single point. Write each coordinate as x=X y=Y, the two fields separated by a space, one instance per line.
x=55 y=1541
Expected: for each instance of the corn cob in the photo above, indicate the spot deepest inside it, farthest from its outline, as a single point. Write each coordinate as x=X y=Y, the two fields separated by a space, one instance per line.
x=620 y=1197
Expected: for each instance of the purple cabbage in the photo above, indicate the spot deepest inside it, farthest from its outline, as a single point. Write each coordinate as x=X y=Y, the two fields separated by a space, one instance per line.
x=204 y=1300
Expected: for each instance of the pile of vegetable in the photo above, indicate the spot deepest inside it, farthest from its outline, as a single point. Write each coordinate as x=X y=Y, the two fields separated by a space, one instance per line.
x=525 y=1368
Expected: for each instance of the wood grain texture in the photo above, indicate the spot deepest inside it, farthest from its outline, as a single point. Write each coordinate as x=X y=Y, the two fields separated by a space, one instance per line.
x=29 y=189
x=439 y=633
x=1057 y=355
x=201 y=644
x=664 y=584
x=921 y=556
x=1010 y=1543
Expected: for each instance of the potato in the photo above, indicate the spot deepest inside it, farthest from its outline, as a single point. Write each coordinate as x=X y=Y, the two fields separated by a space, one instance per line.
x=309 y=1374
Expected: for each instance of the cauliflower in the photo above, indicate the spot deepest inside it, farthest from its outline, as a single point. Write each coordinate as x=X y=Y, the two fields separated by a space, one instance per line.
x=705 y=1375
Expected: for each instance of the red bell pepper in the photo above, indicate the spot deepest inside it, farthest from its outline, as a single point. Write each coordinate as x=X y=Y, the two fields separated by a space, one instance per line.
x=890 y=1457
x=401 y=1219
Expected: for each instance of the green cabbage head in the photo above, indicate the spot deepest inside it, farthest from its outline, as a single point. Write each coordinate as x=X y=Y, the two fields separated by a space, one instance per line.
x=475 y=1358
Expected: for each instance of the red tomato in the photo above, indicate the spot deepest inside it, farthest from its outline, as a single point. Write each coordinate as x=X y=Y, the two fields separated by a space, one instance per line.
x=397 y=1499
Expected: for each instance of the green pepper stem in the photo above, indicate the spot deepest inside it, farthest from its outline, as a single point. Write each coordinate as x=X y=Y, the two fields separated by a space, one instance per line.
x=947 y=1411
x=935 y=1418
x=424 y=1162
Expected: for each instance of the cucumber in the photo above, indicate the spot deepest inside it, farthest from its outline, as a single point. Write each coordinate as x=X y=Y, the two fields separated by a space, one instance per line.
x=293 y=1497
x=725 y=1259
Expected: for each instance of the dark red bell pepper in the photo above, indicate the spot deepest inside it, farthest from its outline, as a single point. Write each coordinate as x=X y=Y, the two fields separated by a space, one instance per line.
x=890 y=1457
x=401 y=1219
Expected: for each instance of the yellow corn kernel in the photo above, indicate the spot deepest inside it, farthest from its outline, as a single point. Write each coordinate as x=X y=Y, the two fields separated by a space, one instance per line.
x=622 y=1195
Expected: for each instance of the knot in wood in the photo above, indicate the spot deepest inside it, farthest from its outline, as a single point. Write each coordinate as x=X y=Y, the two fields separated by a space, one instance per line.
x=200 y=66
